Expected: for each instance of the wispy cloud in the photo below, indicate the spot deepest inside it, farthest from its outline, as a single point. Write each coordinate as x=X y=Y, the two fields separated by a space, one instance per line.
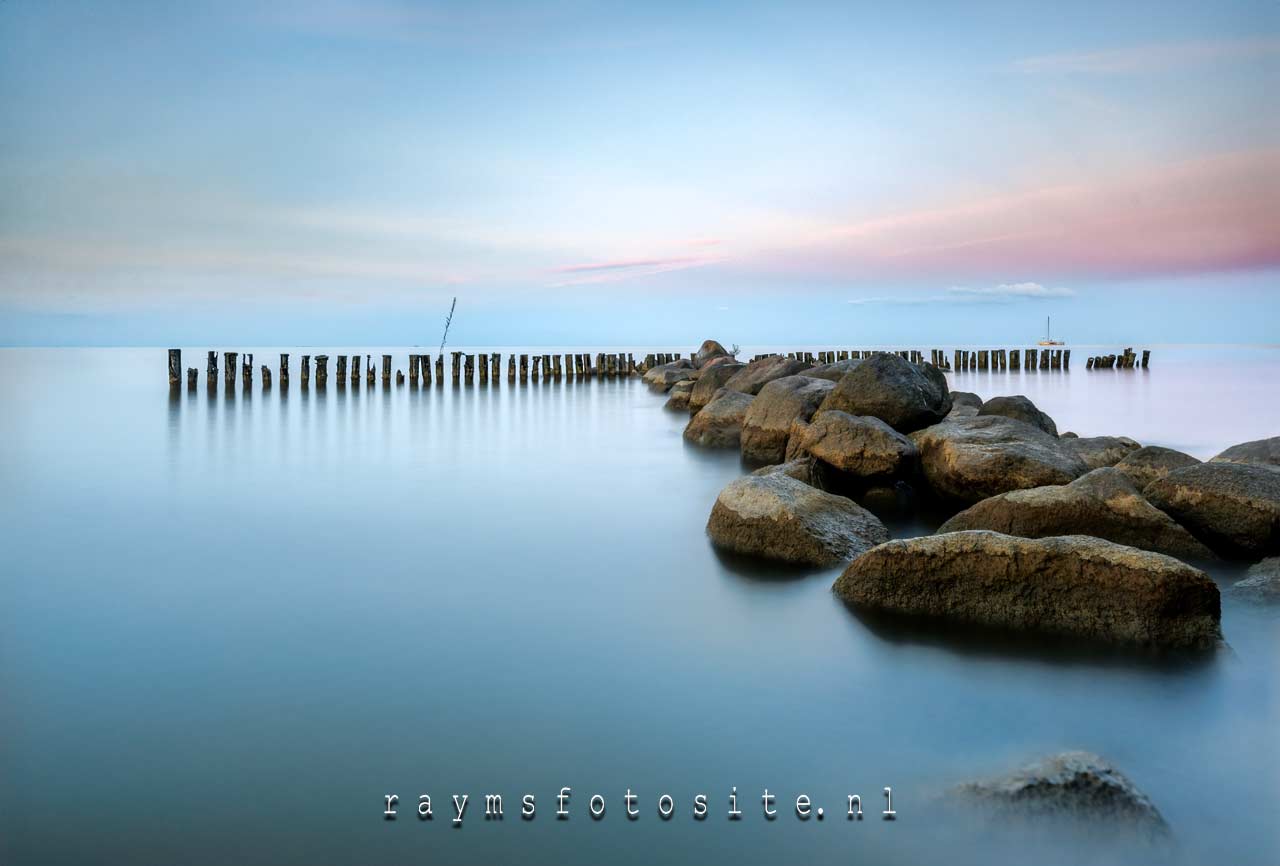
x=1149 y=58
x=1005 y=293
x=626 y=269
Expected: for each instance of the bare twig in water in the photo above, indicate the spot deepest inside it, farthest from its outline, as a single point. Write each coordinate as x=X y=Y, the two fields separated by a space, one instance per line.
x=447 y=322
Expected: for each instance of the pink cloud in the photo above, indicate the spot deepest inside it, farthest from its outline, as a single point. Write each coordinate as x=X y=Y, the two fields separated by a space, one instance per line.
x=1213 y=214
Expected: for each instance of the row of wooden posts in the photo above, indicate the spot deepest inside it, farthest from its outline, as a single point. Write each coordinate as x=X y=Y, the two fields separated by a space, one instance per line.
x=462 y=367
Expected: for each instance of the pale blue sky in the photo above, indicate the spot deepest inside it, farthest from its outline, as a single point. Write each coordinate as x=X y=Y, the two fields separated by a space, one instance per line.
x=336 y=171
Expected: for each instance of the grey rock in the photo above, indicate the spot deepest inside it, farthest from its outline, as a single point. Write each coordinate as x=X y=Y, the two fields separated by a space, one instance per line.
x=1104 y=504
x=1020 y=408
x=1265 y=452
x=754 y=376
x=905 y=396
x=1232 y=507
x=834 y=371
x=804 y=469
x=713 y=378
x=964 y=404
x=766 y=428
x=778 y=517
x=970 y=459
x=719 y=423
x=858 y=444
x=678 y=396
x=1262 y=586
x=1079 y=785
x=654 y=373
x=1071 y=585
x=1152 y=462
x=1099 y=451
x=707 y=351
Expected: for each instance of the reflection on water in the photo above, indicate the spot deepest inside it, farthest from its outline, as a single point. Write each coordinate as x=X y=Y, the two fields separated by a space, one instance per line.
x=233 y=621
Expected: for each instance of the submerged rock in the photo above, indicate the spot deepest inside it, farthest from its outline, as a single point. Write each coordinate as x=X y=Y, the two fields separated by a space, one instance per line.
x=857 y=444
x=719 y=423
x=1232 y=507
x=711 y=379
x=778 y=517
x=1071 y=585
x=1077 y=785
x=767 y=425
x=1104 y=503
x=1151 y=462
x=889 y=387
x=1265 y=452
x=678 y=396
x=1262 y=586
x=754 y=376
x=708 y=351
x=1021 y=409
x=970 y=459
x=1099 y=451
x=964 y=404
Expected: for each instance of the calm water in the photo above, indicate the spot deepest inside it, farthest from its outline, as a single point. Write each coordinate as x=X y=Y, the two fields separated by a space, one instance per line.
x=231 y=625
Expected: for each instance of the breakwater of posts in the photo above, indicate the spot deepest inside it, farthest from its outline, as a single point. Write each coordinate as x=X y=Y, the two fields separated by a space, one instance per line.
x=487 y=367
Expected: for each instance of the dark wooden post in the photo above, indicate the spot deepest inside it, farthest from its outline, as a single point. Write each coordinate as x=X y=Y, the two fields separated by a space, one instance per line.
x=414 y=360
x=524 y=368
x=266 y=378
x=425 y=363
x=284 y=369
x=229 y=371
x=175 y=367
x=1146 y=356
x=355 y=371
x=386 y=370
x=1066 y=359
x=471 y=369
x=341 y=371
x=1014 y=359
x=193 y=373
x=306 y=370
x=495 y=367
x=511 y=368
x=211 y=370
x=399 y=377
x=322 y=370
x=440 y=370
x=246 y=370
x=484 y=370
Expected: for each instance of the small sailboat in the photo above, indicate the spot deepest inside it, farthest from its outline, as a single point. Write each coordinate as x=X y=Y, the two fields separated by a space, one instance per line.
x=1048 y=335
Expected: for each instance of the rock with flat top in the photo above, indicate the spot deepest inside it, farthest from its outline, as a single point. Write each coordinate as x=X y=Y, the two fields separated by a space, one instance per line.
x=1152 y=462
x=1021 y=409
x=1265 y=452
x=767 y=425
x=754 y=376
x=1232 y=507
x=1099 y=451
x=719 y=423
x=857 y=444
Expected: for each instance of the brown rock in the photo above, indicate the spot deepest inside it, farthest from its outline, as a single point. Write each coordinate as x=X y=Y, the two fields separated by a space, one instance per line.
x=1099 y=451
x=1232 y=507
x=768 y=422
x=713 y=378
x=857 y=444
x=1265 y=452
x=754 y=376
x=1152 y=462
x=719 y=423
x=905 y=396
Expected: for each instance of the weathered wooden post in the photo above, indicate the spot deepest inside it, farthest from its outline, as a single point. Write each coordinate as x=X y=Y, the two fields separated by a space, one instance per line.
x=306 y=370
x=229 y=369
x=425 y=364
x=341 y=371
x=175 y=367
x=266 y=378
x=246 y=371
x=1044 y=359
x=1066 y=359
x=284 y=369
x=471 y=369
x=1146 y=356
x=414 y=360
x=193 y=373
x=495 y=361
x=211 y=370
x=386 y=371
x=511 y=368
x=1055 y=359
x=355 y=371
x=1088 y=363
x=370 y=377
x=537 y=364
x=484 y=370
x=322 y=370
x=556 y=370
x=524 y=368
x=399 y=377
x=440 y=370
x=1014 y=358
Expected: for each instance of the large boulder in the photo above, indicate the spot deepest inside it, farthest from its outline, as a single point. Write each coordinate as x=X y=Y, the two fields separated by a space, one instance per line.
x=1077 y=785
x=903 y=395
x=778 y=517
x=1071 y=585
x=780 y=402
x=1151 y=462
x=1019 y=408
x=834 y=371
x=1099 y=451
x=713 y=377
x=719 y=423
x=707 y=351
x=964 y=404
x=663 y=380
x=1262 y=585
x=970 y=459
x=754 y=376
x=660 y=371
x=1232 y=507
x=678 y=396
x=1104 y=503
x=858 y=444
x=1263 y=451
x=804 y=469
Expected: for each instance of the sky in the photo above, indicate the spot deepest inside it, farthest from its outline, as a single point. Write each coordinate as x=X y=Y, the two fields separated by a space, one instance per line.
x=578 y=173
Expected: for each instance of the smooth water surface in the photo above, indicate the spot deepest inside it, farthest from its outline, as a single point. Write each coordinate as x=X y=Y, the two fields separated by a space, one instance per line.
x=232 y=623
